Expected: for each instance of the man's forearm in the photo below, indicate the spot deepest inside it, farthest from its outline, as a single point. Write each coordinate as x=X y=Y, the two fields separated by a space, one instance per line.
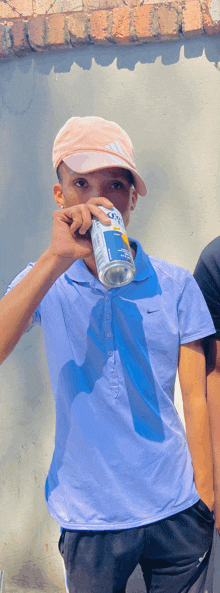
x=213 y=398
x=19 y=304
x=192 y=375
x=199 y=442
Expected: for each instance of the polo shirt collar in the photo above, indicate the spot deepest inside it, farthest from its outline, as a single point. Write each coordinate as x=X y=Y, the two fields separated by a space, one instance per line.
x=79 y=272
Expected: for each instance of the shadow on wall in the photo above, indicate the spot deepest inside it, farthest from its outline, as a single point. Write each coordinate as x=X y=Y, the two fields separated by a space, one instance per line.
x=127 y=56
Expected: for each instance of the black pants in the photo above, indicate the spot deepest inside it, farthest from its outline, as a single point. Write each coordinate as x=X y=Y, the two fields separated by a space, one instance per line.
x=173 y=554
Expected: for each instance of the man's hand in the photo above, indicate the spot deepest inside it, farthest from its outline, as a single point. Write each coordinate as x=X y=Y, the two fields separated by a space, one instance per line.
x=71 y=236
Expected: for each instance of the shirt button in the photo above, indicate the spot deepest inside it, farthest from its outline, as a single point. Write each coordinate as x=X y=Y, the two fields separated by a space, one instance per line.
x=107 y=298
x=108 y=317
x=113 y=374
x=110 y=352
x=109 y=335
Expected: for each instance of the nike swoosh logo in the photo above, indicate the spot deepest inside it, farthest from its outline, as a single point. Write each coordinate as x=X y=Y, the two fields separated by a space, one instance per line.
x=202 y=558
x=152 y=311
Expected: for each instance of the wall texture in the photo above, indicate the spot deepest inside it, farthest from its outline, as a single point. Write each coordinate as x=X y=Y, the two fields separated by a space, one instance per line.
x=167 y=97
x=45 y=25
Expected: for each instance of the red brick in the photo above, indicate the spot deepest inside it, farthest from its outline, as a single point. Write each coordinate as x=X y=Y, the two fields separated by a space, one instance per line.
x=59 y=6
x=56 y=36
x=37 y=33
x=168 y=20
x=15 y=8
x=76 y=26
x=20 y=43
x=41 y=7
x=102 y=4
x=132 y=3
x=121 y=25
x=192 y=23
x=145 y=24
x=150 y=21
x=99 y=26
x=210 y=22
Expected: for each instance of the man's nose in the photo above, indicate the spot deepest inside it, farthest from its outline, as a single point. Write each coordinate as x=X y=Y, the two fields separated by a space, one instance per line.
x=96 y=192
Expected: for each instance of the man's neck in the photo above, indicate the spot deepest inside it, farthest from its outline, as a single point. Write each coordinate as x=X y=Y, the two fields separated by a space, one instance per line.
x=91 y=265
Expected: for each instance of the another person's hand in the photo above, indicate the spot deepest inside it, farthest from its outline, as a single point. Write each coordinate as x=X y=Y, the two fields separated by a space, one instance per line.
x=71 y=236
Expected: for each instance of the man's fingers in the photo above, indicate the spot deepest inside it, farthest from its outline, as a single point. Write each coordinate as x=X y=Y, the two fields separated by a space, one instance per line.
x=102 y=201
x=81 y=215
x=93 y=201
x=76 y=222
x=82 y=221
x=85 y=222
x=95 y=210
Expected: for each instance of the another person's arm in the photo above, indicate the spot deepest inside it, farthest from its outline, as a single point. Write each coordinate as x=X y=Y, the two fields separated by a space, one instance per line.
x=213 y=397
x=207 y=275
x=68 y=244
x=192 y=376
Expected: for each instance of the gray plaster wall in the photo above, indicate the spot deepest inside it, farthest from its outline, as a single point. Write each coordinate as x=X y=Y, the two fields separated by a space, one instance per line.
x=167 y=97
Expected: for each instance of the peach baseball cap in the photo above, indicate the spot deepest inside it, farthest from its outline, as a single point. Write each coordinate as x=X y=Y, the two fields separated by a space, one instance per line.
x=89 y=143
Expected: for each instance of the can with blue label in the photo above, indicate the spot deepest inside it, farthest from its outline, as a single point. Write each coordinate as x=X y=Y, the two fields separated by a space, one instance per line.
x=113 y=257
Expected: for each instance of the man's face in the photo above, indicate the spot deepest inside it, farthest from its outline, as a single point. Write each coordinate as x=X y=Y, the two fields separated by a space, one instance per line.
x=78 y=188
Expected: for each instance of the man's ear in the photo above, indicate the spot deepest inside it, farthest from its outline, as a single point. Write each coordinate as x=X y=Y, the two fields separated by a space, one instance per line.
x=134 y=198
x=58 y=195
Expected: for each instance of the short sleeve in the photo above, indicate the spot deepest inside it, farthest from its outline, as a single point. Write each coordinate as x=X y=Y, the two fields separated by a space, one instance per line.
x=207 y=275
x=195 y=321
x=36 y=317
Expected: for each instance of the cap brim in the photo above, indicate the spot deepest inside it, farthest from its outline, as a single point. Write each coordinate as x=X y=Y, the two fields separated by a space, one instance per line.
x=86 y=162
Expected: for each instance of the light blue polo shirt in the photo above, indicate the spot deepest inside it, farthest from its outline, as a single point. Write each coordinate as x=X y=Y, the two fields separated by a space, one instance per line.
x=121 y=458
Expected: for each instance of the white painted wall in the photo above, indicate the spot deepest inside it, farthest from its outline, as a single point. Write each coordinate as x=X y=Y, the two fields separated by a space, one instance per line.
x=167 y=97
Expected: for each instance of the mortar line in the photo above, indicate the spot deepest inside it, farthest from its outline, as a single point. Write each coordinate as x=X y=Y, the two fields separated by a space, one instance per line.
x=51 y=6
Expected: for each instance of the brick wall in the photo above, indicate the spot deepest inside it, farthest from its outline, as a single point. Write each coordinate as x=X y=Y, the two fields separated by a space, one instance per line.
x=44 y=25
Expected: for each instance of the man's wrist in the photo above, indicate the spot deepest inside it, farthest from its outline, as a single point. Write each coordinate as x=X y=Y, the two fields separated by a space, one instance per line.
x=56 y=263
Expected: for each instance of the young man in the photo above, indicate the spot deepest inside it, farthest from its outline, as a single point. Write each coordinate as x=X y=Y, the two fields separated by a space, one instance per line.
x=121 y=483
x=207 y=274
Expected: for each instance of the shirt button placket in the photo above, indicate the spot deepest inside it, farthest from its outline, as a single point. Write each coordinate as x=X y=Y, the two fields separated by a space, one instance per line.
x=110 y=348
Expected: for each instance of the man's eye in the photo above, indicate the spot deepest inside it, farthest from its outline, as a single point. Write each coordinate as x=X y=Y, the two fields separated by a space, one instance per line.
x=117 y=184
x=80 y=183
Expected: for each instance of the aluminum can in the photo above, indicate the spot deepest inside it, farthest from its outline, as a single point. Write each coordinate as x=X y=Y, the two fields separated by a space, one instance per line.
x=113 y=256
